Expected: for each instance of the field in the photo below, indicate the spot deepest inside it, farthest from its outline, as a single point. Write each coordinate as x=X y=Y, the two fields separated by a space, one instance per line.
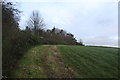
x=61 y=61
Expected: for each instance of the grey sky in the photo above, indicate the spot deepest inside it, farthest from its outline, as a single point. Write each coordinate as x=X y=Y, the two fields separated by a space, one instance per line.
x=94 y=21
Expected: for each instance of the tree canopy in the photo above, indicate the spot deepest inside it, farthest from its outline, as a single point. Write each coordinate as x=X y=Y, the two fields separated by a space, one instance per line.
x=15 y=40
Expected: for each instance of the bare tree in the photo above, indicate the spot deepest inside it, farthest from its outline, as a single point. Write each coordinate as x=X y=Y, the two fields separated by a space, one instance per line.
x=80 y=42
x=36 y=22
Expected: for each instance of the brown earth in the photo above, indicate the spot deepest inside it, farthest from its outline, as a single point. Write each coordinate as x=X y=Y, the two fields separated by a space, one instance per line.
x=53 y=65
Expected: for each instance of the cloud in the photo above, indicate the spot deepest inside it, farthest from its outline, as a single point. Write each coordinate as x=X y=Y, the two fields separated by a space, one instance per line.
x=86 y=1
x=101 y=40
x=95 y=22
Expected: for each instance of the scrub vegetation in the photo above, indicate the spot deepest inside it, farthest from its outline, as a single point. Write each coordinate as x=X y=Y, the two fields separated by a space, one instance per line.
x=36 y=52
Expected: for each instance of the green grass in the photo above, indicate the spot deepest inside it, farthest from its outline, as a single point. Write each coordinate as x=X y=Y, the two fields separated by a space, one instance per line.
x=74 y=61
x=91 y=62
x=29 y=65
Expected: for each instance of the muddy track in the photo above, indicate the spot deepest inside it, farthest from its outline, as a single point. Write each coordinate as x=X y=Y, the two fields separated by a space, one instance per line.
x=47 y=70
x=53 y=65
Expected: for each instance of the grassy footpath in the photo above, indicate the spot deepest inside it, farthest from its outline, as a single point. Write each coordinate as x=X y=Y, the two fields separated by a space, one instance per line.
x=29 y=65
x=48 y=61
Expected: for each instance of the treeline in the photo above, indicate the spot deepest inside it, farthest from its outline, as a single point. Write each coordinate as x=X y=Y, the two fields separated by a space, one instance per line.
x=15 y=41
x=53 y=36
x=35 y=28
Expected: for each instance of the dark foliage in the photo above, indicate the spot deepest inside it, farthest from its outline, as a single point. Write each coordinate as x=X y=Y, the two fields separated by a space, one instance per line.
x=16 y=41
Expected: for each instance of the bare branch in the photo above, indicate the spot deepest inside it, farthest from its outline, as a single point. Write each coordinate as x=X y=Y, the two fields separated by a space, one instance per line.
x=36 y=22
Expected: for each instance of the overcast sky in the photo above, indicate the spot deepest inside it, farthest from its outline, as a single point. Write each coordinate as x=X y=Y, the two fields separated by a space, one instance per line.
x=93 y=21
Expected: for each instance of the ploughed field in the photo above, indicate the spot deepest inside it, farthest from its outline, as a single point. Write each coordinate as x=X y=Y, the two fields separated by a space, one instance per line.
x=62 y=61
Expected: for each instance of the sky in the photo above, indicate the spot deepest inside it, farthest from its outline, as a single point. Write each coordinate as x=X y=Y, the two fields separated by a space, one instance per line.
x=93 y=21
